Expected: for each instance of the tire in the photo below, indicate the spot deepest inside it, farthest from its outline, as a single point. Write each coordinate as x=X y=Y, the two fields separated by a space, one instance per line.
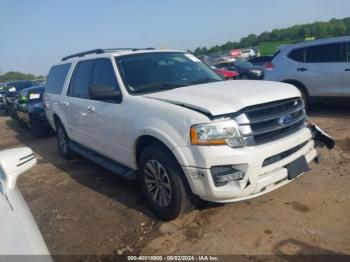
x=304 y=97
x=304 y=94
x=40 y=131
x=63 y=142
x=172 y=198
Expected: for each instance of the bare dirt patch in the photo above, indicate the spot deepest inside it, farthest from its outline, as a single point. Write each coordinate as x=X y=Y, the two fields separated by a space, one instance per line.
x=83 y=209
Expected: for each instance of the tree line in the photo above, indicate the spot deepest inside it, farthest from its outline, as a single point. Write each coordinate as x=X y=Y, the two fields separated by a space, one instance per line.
x=332 y=28
x=14 y=76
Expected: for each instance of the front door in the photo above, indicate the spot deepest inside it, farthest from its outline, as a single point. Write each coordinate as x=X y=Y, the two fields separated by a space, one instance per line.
x=346 y=74
x=106 y=118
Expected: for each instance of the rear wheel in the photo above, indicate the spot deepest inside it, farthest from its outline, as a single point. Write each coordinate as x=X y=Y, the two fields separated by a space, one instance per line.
x=162 y=182
x=304 y=96
x=63 y=142
x=40 y=131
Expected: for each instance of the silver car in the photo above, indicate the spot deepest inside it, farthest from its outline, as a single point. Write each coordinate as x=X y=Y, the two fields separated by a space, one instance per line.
x=319 y=69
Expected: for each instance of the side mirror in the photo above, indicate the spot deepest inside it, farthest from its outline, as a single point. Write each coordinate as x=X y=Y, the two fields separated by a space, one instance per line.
x=104 y=92
x=14 y=162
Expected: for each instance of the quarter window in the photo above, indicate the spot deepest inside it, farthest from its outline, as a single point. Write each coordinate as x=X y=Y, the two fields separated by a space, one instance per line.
x=326 y=53
x=80 y=80
x=57 y=76
x=297 y=55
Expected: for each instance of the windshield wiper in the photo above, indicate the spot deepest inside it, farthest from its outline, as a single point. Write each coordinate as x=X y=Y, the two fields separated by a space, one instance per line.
x=203 y=81
x=161 y=86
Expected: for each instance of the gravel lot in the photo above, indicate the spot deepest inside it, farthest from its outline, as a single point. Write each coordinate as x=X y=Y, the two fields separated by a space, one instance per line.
x=83 y=209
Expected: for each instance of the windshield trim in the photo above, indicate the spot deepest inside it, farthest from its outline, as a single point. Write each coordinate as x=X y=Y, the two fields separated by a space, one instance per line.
x=116 y=60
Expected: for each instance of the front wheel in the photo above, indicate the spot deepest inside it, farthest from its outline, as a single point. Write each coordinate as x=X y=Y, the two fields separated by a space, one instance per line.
x=162 y=182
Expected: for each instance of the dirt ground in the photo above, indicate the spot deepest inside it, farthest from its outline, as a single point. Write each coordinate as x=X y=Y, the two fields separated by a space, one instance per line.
x=83 y=209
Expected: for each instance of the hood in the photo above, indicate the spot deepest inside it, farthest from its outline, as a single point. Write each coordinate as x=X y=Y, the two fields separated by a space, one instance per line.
x=225 y=97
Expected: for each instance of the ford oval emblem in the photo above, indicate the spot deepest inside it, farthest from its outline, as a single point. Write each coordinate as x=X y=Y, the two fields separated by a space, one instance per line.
x=285 y=120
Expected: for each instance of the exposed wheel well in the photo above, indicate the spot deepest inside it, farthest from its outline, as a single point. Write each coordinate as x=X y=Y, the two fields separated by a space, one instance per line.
x=56 y=119
x=145 y=141
x=297 y=84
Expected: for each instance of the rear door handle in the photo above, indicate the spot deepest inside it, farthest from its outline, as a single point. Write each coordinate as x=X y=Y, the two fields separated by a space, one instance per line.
x=301 y=69
x=65 y=103
x=347 y=69
x=91 y=108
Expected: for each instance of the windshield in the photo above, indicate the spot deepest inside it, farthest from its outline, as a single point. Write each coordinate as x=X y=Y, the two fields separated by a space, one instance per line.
x=18 y=85
x=243 y=64
x=154 y=72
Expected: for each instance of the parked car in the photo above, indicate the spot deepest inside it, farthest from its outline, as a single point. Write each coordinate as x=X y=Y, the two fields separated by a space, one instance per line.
x=227 y=74
x=319 y=69
x=30 y=110
x=260 y=60
x=20 y=234
x=245 y=69
x=165 y=118
x=2 y=103
x=12 y=90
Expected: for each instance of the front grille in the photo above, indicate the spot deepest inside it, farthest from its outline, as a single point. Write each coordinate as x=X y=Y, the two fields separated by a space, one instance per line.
x=273 y=159
x=271 y=121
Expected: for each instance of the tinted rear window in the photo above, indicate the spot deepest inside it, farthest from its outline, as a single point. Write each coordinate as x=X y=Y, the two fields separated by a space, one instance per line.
x=56 y=78
x=78 y=86
x=20 y=85
x=326 y=53
x=297 y=55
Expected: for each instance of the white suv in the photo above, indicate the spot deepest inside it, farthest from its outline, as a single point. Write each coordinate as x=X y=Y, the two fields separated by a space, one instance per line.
x=169 y=120
x=319 y=69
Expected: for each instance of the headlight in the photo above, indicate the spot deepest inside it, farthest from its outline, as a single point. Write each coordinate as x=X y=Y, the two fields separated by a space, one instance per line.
x=217 y=133
x=257 y=72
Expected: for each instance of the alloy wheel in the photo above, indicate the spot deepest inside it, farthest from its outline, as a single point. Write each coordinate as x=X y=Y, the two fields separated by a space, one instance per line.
x=157 y=183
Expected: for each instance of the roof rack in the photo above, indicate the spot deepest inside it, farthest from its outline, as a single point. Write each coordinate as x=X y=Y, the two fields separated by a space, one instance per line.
x=100 y=51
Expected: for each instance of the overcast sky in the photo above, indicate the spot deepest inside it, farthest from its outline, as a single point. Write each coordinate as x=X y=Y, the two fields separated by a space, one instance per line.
x=36 y=34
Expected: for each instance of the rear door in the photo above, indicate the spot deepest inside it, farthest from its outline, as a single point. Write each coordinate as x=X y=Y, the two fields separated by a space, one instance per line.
x=76 y=106
x=346 y=74
x=323 y=68
x=105 y=119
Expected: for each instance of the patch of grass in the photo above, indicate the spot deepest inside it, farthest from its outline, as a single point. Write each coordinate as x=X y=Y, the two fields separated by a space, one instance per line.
x=269 y=48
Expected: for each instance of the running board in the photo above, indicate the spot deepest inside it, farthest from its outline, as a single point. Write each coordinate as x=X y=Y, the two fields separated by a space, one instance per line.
x=107 y=163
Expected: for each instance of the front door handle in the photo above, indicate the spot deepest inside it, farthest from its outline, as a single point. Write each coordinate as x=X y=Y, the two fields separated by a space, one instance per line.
x=301 y=69
x=347 y=69
x=91 y=108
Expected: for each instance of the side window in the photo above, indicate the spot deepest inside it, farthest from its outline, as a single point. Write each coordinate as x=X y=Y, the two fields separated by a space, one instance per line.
x=326 y=53
x=103 y=74
x=79 y=83
x=348 y=51
x=56 y=78
x=297 y=55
